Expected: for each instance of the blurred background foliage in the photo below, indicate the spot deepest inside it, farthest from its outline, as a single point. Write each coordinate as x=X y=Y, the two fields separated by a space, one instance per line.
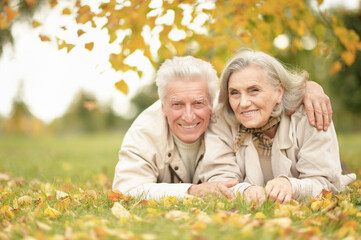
x=331 y=52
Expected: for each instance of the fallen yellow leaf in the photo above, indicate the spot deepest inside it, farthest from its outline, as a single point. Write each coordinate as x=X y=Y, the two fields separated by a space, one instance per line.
x=119 y=211
x=259 y=215
x=51 y=212
x=25 y=200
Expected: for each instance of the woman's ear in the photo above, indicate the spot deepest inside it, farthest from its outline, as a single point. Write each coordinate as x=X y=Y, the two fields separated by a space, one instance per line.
x=280 y=90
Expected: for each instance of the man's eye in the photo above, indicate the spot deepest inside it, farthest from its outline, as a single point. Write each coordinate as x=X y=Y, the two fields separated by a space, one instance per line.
x=233 y=92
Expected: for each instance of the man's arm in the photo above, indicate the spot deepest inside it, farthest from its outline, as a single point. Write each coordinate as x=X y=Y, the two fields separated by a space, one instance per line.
x=318 y=106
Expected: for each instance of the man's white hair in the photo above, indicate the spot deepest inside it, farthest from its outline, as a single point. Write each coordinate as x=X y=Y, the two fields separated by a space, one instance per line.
x=185 y=69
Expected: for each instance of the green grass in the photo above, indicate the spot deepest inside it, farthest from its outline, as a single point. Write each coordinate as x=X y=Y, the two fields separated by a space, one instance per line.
x=350 y=150
x=78 y=159
x=82 y=167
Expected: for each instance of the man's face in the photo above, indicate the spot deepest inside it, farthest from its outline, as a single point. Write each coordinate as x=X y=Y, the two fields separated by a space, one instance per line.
x=187 y=107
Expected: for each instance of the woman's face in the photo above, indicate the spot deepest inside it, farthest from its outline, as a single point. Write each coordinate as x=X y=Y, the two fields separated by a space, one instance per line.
x=252 y=97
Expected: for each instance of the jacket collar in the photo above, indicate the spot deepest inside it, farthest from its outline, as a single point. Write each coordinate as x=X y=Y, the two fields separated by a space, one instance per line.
x=283 y=134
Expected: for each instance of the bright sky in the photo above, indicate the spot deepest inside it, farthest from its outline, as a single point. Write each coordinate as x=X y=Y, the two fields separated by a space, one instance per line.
x=51 y=78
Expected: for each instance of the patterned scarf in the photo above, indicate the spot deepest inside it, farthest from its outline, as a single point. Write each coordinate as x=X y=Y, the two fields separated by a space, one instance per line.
x=264 y=142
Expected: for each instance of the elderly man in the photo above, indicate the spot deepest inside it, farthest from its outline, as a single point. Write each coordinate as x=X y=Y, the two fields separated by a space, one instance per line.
x=163 y=148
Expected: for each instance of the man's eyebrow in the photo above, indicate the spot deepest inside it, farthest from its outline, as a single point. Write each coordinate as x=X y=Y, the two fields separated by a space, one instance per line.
x=175 y=100
x=201 y=99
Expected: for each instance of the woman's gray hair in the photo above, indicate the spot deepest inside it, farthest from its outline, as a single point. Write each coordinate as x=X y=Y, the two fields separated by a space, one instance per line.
x=185 y=68
x=293 y=81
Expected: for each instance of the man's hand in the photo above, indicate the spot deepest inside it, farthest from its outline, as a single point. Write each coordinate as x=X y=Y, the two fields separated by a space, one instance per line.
x=213 y=188
x=318 y=106
x=279 y=190
x=255 y=194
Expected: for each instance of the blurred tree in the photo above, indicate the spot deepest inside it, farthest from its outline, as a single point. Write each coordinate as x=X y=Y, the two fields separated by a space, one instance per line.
x=145 y=96
x=86 y=115
x=21 y=120
x=212 y=30
x=349 y=88
x=346 y=85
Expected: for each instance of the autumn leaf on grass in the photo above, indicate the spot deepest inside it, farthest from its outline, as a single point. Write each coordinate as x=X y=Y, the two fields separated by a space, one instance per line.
x=120 y=212
x=347 y=229
x=176 y=215
x=122 y=86
x=198 y=226
x=348 y=208
x=51 y=212
x=25 y=200
x=4 y=177
x=168 y=201
x=42 y=226
x=60 y=194
x=7 y=211
x=115 y=196
x=259 y=215
x=326 y=194
x=152 y=203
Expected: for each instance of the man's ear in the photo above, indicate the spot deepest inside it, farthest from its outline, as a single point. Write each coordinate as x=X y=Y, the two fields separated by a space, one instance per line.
x=163 y=111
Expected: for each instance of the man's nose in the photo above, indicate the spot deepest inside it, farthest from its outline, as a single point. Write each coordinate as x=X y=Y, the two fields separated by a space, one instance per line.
x=188 y=114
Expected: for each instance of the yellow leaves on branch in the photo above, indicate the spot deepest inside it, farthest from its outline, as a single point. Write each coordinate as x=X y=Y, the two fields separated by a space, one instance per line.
x=89 y=46
x=62 y=44
x=336 y=67
x=53 y=3
x=44 y=38
x=36 y=24
x=66 y=11
x=85 y=15
x=10 y=13
x=7 y=17
x=80 y=32
x=348 y=57
x=122 y=86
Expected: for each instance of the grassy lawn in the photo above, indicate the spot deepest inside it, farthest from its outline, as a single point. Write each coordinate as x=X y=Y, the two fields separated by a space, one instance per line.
x=59 y=188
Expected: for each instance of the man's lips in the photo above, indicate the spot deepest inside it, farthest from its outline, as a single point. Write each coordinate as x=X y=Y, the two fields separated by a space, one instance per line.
x=189 y=126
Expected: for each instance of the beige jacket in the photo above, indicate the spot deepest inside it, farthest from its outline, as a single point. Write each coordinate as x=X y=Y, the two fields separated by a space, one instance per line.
x=309 y=158
x=149 y=162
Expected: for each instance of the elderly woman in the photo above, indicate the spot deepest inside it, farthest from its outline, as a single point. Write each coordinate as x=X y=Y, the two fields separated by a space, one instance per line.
x=256 y=140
